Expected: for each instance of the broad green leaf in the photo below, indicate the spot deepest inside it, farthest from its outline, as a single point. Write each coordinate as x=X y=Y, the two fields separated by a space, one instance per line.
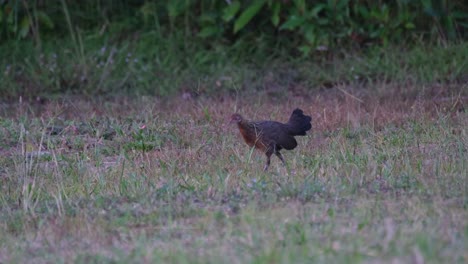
x=293 y=22
x=276 y=12
x=45 y=20
x=409 y=25
x=305 y=50
x=207 y=18
x=24 y=27
x=208 y=31
x=317 y=10
x=248 y=14
x=231 y=10
x=364 y=12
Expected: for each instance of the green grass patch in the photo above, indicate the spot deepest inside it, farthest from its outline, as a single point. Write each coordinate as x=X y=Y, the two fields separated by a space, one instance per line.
x=140 y=180
x=150 y=65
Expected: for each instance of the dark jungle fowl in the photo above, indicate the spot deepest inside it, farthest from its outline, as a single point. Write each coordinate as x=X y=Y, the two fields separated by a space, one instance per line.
x=271 y=136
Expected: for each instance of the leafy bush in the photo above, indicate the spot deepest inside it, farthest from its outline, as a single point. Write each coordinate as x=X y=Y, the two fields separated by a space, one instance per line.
x=302 y=23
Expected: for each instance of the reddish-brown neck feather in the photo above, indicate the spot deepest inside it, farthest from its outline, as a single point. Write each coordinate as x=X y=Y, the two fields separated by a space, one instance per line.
x=250 y=135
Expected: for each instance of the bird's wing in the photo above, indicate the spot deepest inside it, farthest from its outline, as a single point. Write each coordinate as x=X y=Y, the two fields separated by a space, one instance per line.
x=276 y=133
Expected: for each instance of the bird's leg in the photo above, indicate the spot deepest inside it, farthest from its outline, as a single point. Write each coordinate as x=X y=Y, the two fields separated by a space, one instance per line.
x=268 y=154
x=267 y=164
x=280 y=157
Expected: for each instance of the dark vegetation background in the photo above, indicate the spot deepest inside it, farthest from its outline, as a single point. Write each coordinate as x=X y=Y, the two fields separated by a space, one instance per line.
x=209 y=46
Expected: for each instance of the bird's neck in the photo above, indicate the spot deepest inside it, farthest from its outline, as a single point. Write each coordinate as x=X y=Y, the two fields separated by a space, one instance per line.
x=244 y=124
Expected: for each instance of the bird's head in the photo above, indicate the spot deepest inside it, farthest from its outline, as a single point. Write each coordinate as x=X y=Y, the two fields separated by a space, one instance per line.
x=236 y=118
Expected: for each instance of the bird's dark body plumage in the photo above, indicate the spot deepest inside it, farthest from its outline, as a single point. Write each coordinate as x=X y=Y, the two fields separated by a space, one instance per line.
x=271 y=136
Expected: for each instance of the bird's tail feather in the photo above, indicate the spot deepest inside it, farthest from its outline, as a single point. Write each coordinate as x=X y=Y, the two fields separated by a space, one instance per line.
x=299 y=123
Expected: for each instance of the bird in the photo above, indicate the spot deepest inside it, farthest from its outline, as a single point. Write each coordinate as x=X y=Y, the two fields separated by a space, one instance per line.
x=270 y=136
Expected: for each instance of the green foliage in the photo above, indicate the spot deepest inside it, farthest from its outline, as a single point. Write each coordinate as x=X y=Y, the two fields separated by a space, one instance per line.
x=154 y=67
x=250 y=12
x=160 y=47
x=19 y=19
x=326 y=22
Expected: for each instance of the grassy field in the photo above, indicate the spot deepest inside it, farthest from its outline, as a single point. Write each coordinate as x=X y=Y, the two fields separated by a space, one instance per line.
x=382 y=178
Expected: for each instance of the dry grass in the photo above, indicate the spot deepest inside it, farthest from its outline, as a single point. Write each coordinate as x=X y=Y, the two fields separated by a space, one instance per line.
x=382 y=178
